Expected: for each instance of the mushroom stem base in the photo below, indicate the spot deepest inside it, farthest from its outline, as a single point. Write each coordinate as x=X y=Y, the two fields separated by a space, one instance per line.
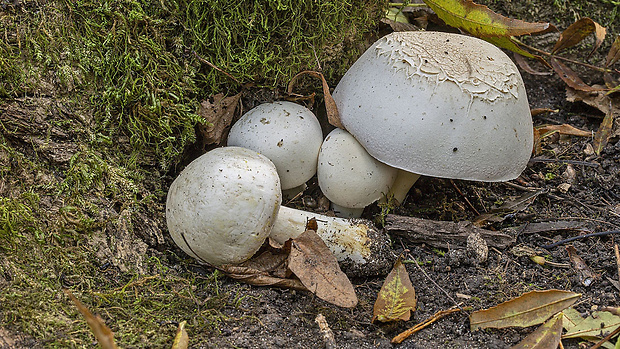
x=403 y=182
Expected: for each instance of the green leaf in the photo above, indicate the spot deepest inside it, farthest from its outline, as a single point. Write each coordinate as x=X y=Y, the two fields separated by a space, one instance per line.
x=530 y=309
x=480 y=21
x=546 y=336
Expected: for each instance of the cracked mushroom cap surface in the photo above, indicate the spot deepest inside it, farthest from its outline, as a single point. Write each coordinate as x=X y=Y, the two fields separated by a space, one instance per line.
x=439 y=104
x=222 y=206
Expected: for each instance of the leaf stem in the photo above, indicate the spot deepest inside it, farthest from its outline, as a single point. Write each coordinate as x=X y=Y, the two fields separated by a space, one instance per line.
x=548 y=54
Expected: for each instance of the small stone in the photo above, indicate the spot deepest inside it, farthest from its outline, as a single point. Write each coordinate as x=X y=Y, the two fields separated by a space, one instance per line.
x=477 y=247
x=564 y=187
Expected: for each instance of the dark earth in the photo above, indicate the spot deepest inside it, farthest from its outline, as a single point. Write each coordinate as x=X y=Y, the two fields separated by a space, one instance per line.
x=263 y=317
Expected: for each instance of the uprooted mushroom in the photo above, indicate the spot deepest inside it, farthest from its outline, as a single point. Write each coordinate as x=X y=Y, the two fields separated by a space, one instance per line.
x=224 y=204
x=438 y=104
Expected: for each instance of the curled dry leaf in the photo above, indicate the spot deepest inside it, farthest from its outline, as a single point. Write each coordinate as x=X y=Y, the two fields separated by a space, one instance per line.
x=529 y=309
x=396 y=299
x=604 y=133
x=218 y=116
x=267 y=268
x=523 y=64
x=586 y=275
x=181 y=340
x=596 y=99
x=578 y=31
x=570 y=78
x=103 y=334
x=614 y=52
x=330 y=105
x=547 y=336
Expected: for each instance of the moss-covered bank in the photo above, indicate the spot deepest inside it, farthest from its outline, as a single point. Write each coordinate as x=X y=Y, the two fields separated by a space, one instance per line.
x=98 y=101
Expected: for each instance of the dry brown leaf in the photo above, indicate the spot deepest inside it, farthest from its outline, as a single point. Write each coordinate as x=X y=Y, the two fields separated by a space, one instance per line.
x=181 y=340
x=570 y=78
x=604 y=133
x=578 y=31
x=330 y=105
x=614 y=52
x=218 y=116
x=595 y=99
x=538 y=111
x=266 y=268
x=318 y=270
x=595 y=325
x=564 y=129
x=547 y=336
x=586 y=275
x=396 y=299
x=529 y=309
x=103 y=334
x=523 y=64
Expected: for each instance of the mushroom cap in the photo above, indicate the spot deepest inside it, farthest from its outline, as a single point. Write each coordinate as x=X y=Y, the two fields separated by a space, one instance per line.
x=439 y=104
x=348 y=175
x=287 y=133
x=223 y=205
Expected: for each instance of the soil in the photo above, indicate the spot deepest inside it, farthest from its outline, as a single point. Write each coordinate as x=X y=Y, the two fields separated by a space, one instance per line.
x=263 y=317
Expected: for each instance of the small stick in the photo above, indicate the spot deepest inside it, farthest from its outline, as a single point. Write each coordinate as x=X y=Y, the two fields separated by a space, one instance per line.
x=464 y=198
x=438 y=315
x=213 y=66
x=328 y=335
x=579 y=237
x=608 y=337
x=617 y=259
x=456 y=304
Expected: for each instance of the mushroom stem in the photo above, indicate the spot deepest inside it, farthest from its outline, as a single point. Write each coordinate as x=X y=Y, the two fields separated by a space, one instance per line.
x=354 y=242
x=403 y=182
x=347 y=212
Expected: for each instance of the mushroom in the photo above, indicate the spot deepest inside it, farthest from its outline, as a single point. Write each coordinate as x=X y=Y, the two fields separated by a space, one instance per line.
x=349 y=177
x=286 y=133
x=223 y=205
x=438 y=104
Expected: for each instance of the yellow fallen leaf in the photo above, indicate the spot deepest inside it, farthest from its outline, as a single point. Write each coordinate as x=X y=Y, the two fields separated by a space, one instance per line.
x=396 y=299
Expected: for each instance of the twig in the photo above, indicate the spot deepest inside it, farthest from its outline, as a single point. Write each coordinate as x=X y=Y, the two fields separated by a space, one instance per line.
x=438 y=315
x=562 y=242
x=328 y=335
x=572 y=162
x=607 y=337
x=437 y=285
x=542 y=52
x=213 y=66
x=464 y=198
x=617 y=259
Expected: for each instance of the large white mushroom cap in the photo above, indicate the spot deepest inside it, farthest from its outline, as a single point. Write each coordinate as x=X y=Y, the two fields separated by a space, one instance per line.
x=287 y=133
x=439 y=104
x=223 y=205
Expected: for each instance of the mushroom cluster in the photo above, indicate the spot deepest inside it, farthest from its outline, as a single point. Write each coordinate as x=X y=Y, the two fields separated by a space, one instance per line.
x=415 y=103
x=224 y=204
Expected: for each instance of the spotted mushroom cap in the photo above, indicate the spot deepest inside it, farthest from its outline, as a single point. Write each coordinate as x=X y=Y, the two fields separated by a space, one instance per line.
x=222 y=206
x=439 y=104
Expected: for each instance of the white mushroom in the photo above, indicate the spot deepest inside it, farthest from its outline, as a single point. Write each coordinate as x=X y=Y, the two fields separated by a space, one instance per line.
x=214 y=215
x=287 y=133
x=223 y=205
x=438 y=104
x=349 y=177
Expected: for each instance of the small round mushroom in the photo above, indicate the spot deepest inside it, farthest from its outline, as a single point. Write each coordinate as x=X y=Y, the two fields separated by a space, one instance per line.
x=349 y=177
x=287 y=133
x=438 y=104
x=224 y=204
x=214 y=215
